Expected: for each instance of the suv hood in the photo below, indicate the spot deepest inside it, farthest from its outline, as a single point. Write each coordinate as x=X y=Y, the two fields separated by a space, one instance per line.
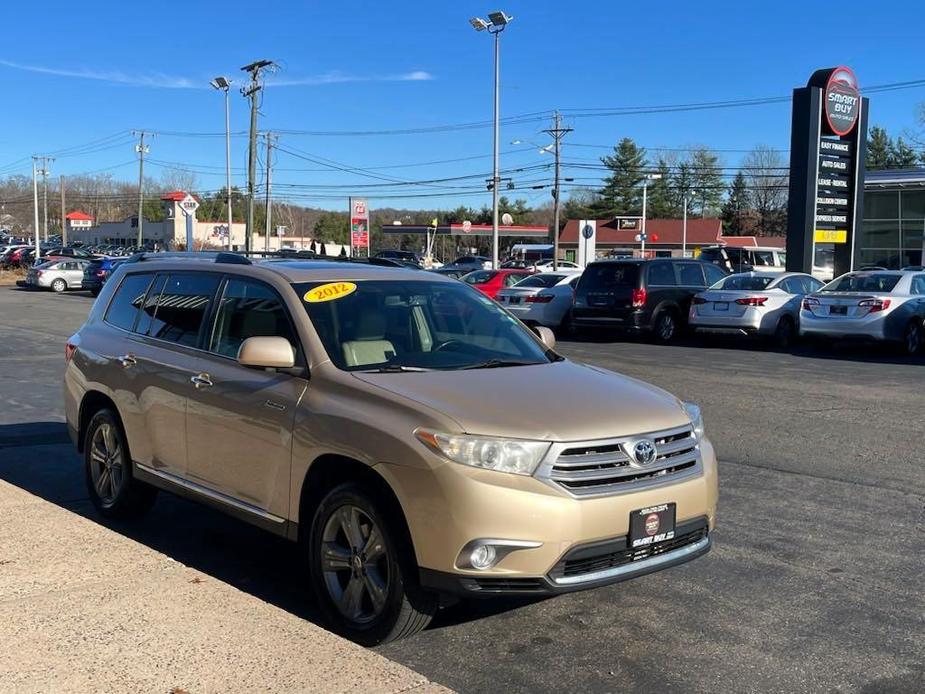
x=560 y=401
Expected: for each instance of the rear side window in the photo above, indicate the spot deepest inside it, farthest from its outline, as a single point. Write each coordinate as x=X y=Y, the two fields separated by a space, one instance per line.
x=123 y=309
x=661 y=274
x=182 y=306
x=690 y=275
x=248 y=309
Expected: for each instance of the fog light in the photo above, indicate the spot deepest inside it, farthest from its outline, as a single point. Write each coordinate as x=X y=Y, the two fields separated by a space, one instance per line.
x=483 y=557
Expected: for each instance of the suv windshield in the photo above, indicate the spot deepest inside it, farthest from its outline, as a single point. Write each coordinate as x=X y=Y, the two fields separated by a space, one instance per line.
x=388 y=325
x=863 y=282
x=748 y=282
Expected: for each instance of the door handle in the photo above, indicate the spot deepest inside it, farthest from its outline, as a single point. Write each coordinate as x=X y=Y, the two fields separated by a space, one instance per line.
x=201 y=380
x=127 y=360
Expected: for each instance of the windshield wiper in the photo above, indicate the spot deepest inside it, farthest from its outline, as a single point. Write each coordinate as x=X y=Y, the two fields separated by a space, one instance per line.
x=496 y=363
x=394 y=368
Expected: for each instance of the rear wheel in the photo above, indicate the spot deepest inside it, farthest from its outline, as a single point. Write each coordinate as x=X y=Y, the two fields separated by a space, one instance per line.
x=59 y=285
x=113 y=489
x=912 y=338
x=785 y=333
x=666 y=326
x=363 y=578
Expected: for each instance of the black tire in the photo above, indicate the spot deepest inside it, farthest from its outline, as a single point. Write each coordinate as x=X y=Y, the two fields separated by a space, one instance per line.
x=404 y=609
x=665 y=328
x=785 y=333
x=912 y=339
x=125 y=497
x=59 y=286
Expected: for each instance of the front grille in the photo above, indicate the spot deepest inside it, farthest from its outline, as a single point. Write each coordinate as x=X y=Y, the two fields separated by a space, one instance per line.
x=591 y=559
x=605 y=467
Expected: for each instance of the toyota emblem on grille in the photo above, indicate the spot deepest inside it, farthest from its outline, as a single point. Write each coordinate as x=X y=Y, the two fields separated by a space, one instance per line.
x=643 y=452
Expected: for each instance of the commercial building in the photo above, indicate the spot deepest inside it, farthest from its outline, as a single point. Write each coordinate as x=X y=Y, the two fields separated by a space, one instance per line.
x=666 y=237
x=892 y=233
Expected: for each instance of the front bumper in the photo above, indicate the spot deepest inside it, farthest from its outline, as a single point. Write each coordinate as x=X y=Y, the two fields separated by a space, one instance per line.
x=450 y=505
x=584 y=566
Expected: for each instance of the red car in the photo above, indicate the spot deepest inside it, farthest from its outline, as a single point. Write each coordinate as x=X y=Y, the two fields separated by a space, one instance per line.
x=490 y=282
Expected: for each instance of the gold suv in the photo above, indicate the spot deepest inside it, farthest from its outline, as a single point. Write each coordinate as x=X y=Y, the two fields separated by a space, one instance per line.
x=413 y=436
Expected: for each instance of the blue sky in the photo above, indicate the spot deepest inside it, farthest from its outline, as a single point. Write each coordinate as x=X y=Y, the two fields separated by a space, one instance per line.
x=76 y=74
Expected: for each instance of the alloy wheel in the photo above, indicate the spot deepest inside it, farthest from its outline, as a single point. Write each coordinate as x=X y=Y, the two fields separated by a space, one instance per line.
x=106 y=463
x=355 y=564
x=666 y=327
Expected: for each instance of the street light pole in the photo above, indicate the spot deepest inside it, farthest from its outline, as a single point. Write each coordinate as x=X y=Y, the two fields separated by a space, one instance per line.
x=497 y=21
x=224 y=84
x=645 y=188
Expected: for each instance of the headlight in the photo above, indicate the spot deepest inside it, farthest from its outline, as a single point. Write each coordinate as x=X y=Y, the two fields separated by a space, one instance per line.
x=693 y=411
x=504 y=455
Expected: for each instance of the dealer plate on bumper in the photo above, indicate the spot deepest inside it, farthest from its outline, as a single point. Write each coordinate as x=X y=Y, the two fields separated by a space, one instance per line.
x=652 y=524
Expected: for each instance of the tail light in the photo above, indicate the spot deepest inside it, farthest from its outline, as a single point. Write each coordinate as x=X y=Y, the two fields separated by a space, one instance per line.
x=539 y=299
x=100 y=273
x=69 y=349
x=698 y=300
x=809 y=302
x=639 y=298
x=38 y=273
x=875 y=304
x=752 y=301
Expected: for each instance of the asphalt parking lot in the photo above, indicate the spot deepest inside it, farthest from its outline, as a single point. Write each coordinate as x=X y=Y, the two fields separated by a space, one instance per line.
x=813 y=583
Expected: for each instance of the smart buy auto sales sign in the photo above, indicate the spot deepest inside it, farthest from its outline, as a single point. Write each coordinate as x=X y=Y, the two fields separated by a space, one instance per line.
x=842 y=101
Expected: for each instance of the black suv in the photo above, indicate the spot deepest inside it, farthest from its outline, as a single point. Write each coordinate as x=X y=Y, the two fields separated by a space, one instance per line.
x=636 y=295
x=402 y=256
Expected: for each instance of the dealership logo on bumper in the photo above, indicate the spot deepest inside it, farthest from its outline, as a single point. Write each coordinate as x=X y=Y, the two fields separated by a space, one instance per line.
x=643 y=452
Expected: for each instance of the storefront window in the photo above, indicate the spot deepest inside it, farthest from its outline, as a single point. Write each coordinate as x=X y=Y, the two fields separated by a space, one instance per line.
x=880 y=234
x=913 y=204
x=881 y=205
x=881 y=257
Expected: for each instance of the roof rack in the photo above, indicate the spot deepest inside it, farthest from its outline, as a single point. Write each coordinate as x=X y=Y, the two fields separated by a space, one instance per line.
x=244 y=257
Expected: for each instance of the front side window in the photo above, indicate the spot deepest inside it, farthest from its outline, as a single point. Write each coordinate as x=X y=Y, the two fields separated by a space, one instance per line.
x=182 y=306
x=248 y=309
x=123 y=309
x=418 y=324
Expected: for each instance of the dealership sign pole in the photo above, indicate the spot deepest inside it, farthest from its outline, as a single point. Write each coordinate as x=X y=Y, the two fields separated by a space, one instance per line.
x=828 y=144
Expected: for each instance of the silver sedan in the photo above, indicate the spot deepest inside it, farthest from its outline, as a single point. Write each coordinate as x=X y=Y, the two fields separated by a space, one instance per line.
x=541 y=299
x=753 y=303
x=879 y=305
x=57 y=275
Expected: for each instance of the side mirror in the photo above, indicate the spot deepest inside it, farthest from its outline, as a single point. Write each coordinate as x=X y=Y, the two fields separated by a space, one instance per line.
x=267 y=353
x=547 y=336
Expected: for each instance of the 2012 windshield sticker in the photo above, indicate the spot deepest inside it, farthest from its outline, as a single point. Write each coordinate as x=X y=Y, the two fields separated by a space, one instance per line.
x=329 y=292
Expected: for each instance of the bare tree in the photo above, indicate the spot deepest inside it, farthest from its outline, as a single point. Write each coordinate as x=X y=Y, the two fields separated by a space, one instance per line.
x=177 y=178
x=766 y=172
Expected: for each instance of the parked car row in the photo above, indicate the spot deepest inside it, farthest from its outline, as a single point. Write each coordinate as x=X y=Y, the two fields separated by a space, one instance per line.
x=664 y=297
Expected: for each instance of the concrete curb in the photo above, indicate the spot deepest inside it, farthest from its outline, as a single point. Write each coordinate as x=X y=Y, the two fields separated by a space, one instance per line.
x=83 y=608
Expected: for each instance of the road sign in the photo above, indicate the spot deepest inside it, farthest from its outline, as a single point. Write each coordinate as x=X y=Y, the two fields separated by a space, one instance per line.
x=189 y=204
x=467 y=226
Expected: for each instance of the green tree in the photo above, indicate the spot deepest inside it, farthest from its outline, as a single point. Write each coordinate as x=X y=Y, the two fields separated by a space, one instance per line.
x=708 y=180
x=879 y=149
x=737 y=202
x=332 y=227
x=902 y=155
x=660 y=202
x=683 y=188
x=621 y=193
x=581 y=204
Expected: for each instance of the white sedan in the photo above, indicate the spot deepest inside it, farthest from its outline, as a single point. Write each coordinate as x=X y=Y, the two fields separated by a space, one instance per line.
x=546 y=266
x=541 y=299
x=879 y=305
x=753 y=303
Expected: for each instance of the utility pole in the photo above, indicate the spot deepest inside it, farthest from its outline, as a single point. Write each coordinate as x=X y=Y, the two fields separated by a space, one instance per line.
x=43 y=172
x=142 y=150
x=684 y=228
x=269 y=208
x=63 y=213
x=557 y=132
x=35 y=207
x=250 y=91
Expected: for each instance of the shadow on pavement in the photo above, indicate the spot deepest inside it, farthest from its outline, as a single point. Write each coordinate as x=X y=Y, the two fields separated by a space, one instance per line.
x=39 y=458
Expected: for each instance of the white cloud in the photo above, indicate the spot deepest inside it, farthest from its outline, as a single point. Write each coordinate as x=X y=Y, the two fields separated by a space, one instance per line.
x=150 y=79
x=337 y=77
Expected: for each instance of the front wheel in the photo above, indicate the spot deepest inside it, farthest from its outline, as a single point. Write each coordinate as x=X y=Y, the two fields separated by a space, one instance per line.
x=364 y=582
x=58 y=286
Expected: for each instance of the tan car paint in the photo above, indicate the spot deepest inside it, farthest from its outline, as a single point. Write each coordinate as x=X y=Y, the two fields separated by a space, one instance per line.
x=230 y=441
